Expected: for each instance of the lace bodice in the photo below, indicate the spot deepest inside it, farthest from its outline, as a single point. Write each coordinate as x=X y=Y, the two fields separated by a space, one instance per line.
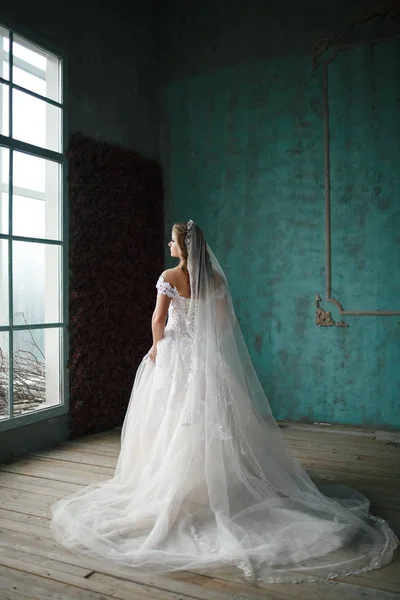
x=178 y=309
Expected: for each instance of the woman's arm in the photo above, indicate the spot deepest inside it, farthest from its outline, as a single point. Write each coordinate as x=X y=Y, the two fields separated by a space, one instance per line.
x=158 y=322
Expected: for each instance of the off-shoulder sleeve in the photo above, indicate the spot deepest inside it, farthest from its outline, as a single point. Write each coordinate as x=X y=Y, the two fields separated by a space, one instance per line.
x=163 y=287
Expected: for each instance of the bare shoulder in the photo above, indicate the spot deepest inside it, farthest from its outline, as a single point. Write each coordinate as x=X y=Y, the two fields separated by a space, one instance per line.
x=170 y=276
x=178 y=280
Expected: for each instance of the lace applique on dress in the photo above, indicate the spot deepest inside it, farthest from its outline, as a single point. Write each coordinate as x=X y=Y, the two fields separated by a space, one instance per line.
x=178 y=343
x=163 y=287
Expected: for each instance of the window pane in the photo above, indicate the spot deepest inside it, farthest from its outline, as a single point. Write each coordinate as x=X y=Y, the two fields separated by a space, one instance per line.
x=35 y=69
x=4 y=112
x=29 y=81
x=36 y=197
x=36 y=283
x=28 y=216
x=4 y=282
x=4 y=171
x=4 y=53
x=35 y=121
x=4 y=365
x=37 y=380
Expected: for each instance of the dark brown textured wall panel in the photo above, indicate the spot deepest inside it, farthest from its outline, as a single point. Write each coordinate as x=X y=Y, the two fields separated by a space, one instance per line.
x=116 y=255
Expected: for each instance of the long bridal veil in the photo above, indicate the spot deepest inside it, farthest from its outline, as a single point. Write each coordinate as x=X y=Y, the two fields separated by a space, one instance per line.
x=202 y=479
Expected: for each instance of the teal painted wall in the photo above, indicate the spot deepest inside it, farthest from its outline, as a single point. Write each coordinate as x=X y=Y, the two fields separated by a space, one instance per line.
x=244 y=156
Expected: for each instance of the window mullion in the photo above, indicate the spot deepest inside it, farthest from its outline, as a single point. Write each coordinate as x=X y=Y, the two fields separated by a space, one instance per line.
x=33 y=240
x=10 y=131
x=32 y=326
x=10 y=245
x=8 y=142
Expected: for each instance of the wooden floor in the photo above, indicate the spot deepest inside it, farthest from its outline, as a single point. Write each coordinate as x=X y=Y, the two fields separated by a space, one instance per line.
x=34 y=566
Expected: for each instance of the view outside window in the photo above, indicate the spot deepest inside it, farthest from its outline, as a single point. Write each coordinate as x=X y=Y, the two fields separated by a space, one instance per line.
x=31 y=228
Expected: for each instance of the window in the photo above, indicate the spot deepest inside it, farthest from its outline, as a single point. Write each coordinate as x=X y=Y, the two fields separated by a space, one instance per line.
x=33 y=229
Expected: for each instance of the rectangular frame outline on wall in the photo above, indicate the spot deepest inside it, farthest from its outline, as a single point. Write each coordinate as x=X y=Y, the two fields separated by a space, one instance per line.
x=61 y=157
x=328 y=247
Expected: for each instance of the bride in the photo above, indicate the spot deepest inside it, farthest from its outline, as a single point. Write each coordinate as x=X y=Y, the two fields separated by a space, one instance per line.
x=202 y=480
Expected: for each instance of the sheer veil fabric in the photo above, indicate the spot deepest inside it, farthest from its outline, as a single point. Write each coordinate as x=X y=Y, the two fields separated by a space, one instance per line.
x=202 y=480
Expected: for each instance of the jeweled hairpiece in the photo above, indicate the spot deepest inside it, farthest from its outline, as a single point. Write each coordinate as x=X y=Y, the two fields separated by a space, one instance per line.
x=189 y=228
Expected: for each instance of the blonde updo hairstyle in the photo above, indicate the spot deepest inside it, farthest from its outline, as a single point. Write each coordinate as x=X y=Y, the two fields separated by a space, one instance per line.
x=180 y=233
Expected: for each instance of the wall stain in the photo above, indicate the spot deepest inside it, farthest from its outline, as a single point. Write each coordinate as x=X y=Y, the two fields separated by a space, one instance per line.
x=258 y=344
x=302 y=306
x=284 y=356
x=384 y=203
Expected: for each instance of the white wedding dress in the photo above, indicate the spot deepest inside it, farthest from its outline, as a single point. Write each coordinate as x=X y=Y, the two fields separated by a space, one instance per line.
x=202 y=480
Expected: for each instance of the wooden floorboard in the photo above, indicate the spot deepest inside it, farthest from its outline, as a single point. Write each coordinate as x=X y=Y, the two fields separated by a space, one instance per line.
x=34 y=567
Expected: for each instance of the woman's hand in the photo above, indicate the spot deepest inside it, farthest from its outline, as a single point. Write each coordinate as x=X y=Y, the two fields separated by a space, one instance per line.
x=153 y=353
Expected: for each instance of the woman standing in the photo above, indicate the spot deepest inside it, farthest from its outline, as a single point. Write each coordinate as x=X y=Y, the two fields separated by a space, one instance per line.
x=202 y=479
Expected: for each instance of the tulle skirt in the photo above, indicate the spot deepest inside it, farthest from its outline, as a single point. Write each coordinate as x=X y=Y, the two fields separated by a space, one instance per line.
x=197 y=488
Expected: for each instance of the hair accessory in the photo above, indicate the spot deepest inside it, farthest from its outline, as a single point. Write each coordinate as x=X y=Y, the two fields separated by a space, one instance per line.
x=189 y=228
